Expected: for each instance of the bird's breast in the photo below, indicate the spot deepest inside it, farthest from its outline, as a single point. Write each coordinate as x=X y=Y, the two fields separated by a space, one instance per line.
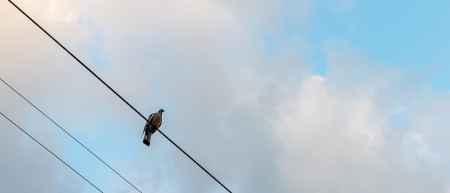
x=157 y=119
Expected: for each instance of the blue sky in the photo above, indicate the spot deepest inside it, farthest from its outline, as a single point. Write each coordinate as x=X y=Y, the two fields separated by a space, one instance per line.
x=405 y=34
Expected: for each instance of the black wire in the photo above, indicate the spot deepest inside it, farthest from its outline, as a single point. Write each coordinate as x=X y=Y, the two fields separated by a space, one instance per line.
x=50 y=151
x=87 y=68
x=69 y=134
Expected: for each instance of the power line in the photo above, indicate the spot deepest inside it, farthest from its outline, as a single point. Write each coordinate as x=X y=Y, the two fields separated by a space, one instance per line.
x=50 y=152
x=87 y=68
x=69 y=134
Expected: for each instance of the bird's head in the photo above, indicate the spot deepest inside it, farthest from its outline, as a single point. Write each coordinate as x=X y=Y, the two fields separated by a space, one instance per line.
x=161 y=111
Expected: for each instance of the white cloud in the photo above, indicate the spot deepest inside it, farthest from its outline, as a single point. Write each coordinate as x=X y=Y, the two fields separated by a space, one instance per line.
x=203 y=56
x=259 y=122
x=337 y=133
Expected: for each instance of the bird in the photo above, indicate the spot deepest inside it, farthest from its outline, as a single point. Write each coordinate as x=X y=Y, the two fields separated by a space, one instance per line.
x=153 y=124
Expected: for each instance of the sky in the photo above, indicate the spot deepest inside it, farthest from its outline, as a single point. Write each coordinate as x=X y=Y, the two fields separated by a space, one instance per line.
x=327 y=96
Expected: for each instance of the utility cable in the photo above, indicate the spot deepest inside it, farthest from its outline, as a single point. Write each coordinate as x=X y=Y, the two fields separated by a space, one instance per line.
x=87 y=68
x=69 y=134
x=50 y=152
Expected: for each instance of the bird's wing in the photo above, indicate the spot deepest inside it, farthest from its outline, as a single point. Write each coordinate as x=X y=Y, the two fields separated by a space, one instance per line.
x=150 y=118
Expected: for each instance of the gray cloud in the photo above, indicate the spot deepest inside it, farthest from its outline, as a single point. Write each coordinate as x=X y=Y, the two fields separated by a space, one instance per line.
x=257 y=120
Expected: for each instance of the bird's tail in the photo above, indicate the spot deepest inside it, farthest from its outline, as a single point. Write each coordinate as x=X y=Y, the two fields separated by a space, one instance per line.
x=146 y=139
x=147 y=136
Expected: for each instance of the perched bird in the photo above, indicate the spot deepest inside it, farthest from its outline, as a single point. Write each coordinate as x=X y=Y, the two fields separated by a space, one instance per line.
x=153 y=124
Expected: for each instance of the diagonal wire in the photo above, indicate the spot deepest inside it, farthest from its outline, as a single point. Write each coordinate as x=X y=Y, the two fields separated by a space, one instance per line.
x=50 y=152
x=87 y=68
x=69 y=134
